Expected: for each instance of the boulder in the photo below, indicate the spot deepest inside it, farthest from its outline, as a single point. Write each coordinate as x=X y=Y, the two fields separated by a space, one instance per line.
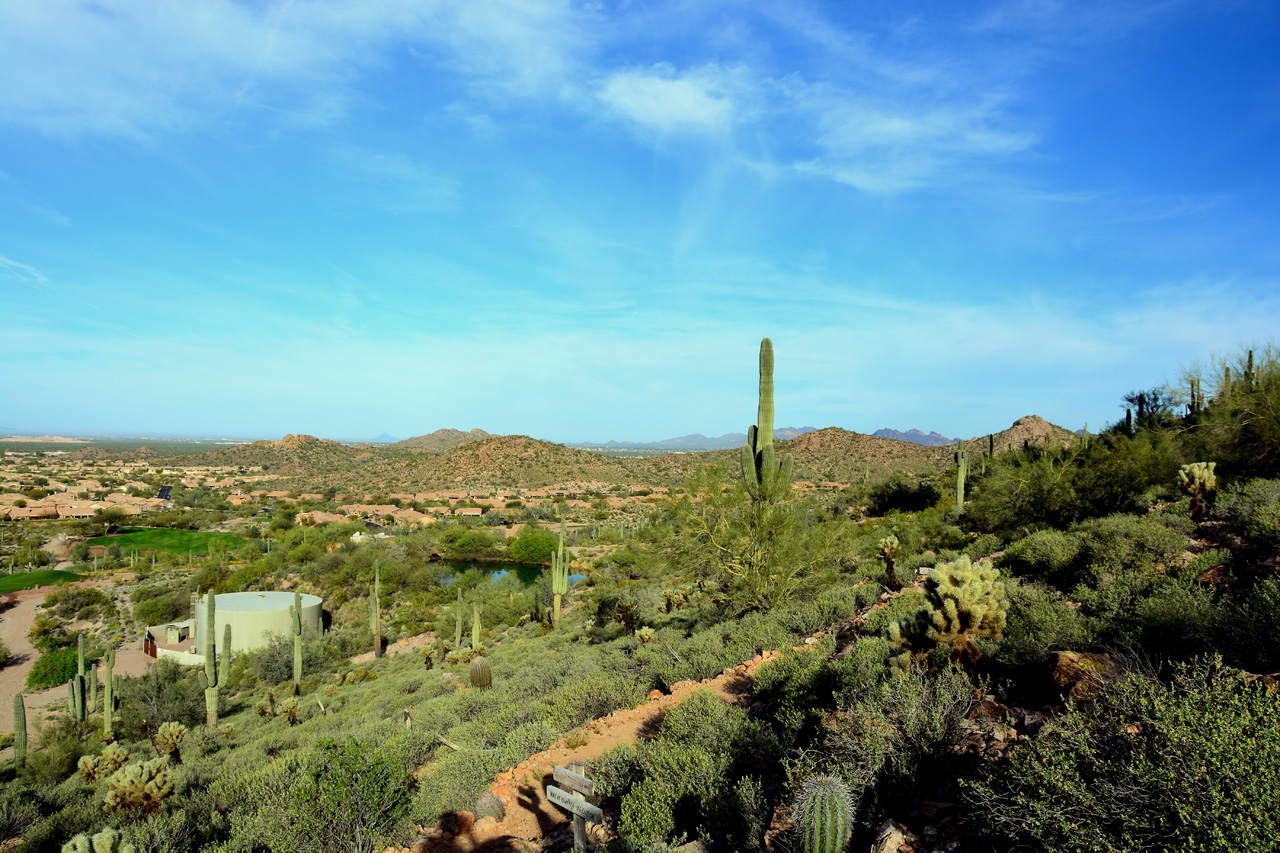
x=1080 y=674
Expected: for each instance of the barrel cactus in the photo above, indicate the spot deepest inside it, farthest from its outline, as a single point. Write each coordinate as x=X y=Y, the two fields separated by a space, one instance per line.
x=824 y=812
x=481 y=673
x=487 y=805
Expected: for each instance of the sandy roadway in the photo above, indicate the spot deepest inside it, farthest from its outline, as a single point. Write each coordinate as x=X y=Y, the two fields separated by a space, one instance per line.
x=16 y=620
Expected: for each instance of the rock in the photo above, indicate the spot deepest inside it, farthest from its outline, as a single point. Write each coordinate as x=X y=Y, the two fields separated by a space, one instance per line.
x=419 y=846
x=809 y=641
x=655 y=694
x=486 y=822
x=1081 y=673
x=889 y=838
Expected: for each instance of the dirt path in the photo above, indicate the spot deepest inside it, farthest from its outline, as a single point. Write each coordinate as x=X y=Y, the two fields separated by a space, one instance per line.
x=532 y=822
x=16 y=620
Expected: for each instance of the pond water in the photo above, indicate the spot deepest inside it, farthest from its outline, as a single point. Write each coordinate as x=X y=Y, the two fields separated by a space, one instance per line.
x=527 y=574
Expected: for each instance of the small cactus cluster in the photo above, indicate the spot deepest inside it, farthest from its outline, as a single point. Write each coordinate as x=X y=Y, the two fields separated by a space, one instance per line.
x=289 y=709
x=768 y=479
x=559 y=576
x=645 y=635
x=1197 y=480
x=94 y=767
x=168 y=739
x=107 y=841
x=888 y=548
x=824 y=815
x=142 y=786
x=963 y=602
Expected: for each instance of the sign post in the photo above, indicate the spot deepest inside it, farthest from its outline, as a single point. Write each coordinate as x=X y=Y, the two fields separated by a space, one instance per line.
x=574 y=801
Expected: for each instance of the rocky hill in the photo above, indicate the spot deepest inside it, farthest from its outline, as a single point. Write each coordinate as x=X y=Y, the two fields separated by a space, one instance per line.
x=291 y=455
x=1031 y=430
x=442 y=440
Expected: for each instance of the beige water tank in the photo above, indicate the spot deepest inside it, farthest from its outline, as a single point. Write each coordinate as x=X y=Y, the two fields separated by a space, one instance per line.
x=254 y=617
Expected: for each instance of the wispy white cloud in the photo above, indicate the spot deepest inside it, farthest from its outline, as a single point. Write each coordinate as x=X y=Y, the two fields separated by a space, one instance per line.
x=392 y=181
x=115 y=67
x=22 y=272
x=658 y=98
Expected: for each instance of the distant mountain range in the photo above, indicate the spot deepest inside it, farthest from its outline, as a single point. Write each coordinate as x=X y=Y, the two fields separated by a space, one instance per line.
x=697 y=441
x=915 y=436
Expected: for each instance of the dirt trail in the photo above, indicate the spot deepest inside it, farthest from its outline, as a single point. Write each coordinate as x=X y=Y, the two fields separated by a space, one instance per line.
x=532 y=822
x=16 y=619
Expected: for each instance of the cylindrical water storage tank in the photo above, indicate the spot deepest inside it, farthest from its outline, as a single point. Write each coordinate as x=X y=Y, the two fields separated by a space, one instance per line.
x=254 y=617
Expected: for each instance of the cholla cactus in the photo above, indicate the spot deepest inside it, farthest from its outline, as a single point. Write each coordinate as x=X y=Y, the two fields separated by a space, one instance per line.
x=168 y=738
x=107 y=841
x=87 y=767
x=963 y=602
x=1197 y=480
x=481 y=673
x=112 y=759
x=289 y=710
x=824 y=812
x=888 y=547
x=645 y=635
x=139 y=786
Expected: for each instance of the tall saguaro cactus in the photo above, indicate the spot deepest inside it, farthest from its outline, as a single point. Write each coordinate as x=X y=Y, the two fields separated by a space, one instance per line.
x=109 y=695
x=76 y=705
x=457 y=624
x=767 y=479
x=962 y=470
x=210 y=677
x=295 y=617
x=19 y=730
x=476 y=629
x=559 y=576
x=375 y=610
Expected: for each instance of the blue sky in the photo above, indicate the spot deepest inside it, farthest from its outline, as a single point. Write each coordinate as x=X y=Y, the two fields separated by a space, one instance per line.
x=576 y=220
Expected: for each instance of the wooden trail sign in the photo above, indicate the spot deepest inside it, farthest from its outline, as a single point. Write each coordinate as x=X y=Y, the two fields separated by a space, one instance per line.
x=580 y=808
x=575 y=781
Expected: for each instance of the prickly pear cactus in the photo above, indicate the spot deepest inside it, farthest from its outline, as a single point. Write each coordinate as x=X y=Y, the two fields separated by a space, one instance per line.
x=142 y=786
x=825 y=815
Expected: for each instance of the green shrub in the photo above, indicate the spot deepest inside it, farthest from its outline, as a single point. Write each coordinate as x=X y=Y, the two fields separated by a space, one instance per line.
x=1189 y=766
x=1127 y=544
x=616 y=771
x=1045 y=554
x=53 y=668
x=884 y=736
x=1253 y=508
x=1039 y=621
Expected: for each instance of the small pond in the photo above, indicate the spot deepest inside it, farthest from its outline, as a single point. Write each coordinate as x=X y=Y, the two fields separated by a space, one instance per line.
x=527 y=573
